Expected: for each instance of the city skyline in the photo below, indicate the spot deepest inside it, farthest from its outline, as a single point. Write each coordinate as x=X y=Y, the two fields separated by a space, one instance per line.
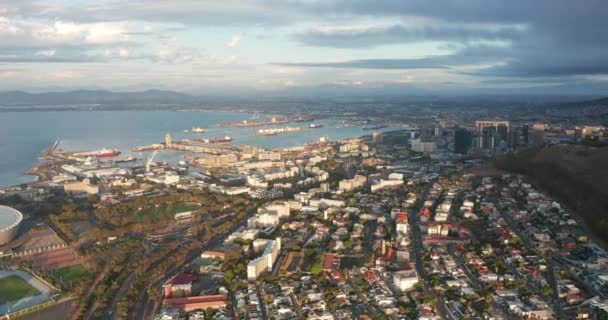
x=305 y=46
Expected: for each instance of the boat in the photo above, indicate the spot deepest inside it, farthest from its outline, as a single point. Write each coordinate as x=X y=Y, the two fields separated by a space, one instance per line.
x=198 y=130
x=315 y=126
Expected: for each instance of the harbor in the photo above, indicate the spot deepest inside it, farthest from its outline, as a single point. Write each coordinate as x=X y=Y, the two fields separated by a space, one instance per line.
x=137 y=134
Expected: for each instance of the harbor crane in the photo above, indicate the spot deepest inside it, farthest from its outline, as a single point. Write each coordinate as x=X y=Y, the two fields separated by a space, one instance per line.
x=150 y=159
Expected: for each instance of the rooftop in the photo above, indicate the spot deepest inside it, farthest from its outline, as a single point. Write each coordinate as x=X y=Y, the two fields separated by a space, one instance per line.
x=9 y=217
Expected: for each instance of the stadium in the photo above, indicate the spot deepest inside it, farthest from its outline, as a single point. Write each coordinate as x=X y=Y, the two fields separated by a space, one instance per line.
x=9 y=223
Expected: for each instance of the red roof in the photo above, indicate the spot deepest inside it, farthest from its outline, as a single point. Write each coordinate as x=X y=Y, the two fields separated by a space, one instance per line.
x=197 y=302
x=331 y=262
x=401 y=218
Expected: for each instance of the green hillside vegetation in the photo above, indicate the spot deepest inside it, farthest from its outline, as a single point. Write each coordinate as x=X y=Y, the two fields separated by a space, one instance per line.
x=576 y=175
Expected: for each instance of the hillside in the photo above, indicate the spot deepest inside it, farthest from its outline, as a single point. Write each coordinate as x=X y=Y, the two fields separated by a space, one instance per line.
x=94 y=97
x=576 y=175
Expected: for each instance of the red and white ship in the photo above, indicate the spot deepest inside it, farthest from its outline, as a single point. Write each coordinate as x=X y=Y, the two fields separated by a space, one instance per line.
x=101 y=153
x=315 y=126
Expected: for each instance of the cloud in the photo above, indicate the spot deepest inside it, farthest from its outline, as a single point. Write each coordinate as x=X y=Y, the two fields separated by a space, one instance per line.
x=425 y=63
x=46 y=53
x=370 y=36
x=171 y=53
x=234 y=41
x=548 y=40
x=20 y=33
x=33 y=55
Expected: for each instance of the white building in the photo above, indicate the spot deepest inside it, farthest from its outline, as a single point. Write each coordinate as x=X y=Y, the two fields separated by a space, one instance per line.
x=424 y=146
x=264 y=262
x=280 y=208
x=326 y=203
x=350 y=184
x=405 y=280
x=386 y=184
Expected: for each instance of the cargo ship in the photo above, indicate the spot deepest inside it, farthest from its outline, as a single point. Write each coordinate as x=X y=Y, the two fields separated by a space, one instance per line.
x=273 y=131
x=375 y=127
x=302 y=119
x=225 y=139
x=101 y=153
x=315 y=126
x=127 y=159
x=254 y=122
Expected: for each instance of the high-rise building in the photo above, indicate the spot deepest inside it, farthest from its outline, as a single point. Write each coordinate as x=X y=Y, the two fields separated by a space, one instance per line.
x=479 y=125
x=168 y=142
x=538 y=134
x=492 y=135
x=525 y=134
x=462 y=140
x=377 y=136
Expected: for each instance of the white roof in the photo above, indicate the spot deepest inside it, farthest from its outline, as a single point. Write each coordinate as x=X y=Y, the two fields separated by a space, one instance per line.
x=9 y=218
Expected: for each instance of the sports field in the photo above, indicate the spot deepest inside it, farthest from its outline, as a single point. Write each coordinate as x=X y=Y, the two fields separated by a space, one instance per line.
x=74 y=273
x=13 y=288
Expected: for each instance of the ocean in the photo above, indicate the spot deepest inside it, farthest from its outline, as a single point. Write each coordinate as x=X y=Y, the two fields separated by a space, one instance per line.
x=25 y=135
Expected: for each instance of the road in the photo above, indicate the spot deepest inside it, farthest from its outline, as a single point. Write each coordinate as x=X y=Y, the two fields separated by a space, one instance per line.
x=475 y=281
x=418 y=250
x=550 y=277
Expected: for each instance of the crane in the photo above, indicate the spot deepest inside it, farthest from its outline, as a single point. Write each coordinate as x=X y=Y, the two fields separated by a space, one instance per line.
x=150 y=159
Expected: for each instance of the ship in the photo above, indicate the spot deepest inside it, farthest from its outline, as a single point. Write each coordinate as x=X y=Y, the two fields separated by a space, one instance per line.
x=315 y=126
x=375 y=127
x=198 y=130
x=273 y=131
x=225 y=139
x=105 y=153
x=255 y=122
x=101 y=153
x=127 y=159
x=302 y=119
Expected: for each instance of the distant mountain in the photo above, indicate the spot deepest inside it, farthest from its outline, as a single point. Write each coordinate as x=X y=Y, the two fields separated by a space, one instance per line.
x=95 y=97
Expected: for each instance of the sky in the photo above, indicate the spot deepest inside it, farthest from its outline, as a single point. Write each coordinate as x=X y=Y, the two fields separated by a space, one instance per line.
x=227 y=46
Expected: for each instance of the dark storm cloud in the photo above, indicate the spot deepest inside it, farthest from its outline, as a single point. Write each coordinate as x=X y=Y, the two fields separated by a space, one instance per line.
x=562 y=37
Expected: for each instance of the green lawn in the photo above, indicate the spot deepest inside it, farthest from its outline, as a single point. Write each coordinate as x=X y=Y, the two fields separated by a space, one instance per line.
x=13 y=288
x=74 y=273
